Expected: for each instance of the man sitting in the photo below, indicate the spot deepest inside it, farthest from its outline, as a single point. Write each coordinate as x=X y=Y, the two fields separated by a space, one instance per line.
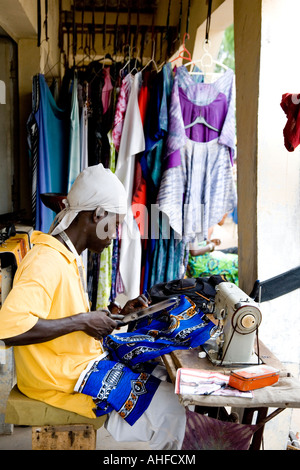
x=47 y=317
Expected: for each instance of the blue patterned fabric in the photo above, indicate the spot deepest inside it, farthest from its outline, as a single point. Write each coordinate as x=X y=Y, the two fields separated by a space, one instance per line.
x=180 y=327
x=114 y=386
x=124 y=380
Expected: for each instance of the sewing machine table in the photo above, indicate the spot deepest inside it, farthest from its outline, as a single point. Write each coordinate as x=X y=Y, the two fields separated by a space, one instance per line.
x=284 y=394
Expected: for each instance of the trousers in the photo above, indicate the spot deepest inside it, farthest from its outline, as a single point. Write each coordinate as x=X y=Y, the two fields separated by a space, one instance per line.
x=162 y=425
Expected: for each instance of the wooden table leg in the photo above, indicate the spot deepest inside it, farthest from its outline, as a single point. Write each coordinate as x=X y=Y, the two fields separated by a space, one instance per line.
x=258 y=435
x=261 y=420
x=247 y=419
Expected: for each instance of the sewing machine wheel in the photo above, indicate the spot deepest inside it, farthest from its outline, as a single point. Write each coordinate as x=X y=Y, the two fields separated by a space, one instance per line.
x=246 y=320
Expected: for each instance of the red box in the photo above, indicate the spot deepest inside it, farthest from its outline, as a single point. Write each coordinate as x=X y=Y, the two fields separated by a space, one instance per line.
x=251 y=378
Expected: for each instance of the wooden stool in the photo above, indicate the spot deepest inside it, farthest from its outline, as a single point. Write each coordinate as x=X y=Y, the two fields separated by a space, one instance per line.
x=52 y=428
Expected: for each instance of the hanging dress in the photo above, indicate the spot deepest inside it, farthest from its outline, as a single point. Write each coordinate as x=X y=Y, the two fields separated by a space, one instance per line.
x=52 y=132
x=132 y=142
x=74 y=147
x=120 y=111
x=197 y=186
x=160 y=260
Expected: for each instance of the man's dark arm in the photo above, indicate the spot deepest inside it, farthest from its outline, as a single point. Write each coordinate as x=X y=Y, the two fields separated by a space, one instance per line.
x=96 y=324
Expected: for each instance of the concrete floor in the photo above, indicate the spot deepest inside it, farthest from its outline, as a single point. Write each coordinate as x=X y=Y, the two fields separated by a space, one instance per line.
x=21 y=440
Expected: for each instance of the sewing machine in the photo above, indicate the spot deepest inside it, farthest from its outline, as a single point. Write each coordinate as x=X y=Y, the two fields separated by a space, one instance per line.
x=239 y=316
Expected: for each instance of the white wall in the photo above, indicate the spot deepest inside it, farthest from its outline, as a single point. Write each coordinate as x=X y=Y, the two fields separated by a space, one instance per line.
x=278 y=198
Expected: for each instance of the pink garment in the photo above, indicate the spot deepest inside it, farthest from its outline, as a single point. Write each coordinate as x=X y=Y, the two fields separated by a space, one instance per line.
x=121 y=110
x=107 y=89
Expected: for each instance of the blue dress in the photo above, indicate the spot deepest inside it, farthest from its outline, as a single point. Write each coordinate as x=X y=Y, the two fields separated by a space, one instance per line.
x=52 y=158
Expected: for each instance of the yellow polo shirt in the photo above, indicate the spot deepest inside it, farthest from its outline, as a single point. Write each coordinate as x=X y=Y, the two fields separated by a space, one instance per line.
x=47 y=285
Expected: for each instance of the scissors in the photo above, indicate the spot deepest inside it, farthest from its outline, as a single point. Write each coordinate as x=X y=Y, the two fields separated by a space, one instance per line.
x=148 y=311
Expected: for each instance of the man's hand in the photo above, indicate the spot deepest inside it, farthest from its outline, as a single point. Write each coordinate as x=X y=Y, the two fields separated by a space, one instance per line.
x=135 y=304
x=98 y=323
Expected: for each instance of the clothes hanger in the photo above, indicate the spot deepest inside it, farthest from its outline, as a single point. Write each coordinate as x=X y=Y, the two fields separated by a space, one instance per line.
x=88 y=50
x=151 y=60
x=201 y=120
x=135 y=69
x=105 y=58
x=183 y=49
x=86 y=56
x=47 y=68
x=128 y=61
x=205 y=61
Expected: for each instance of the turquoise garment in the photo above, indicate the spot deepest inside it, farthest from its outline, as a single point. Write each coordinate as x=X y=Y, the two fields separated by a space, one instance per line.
x=166 y=259
x=74 y=148
x=52 y=152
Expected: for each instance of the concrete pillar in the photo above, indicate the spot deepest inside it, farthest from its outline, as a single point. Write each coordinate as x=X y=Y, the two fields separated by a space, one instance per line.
x=247 y=28
x=268 y=175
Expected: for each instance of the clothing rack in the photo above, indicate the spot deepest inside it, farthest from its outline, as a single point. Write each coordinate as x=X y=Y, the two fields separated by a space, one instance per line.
x=66 y=29
x=99 y=29
x=152 y=99
x=80 y=28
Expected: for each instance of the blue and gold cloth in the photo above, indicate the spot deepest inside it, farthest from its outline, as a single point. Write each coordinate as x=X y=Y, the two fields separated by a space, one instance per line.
x=124 y=380
x=114 y=386
x=179 y=327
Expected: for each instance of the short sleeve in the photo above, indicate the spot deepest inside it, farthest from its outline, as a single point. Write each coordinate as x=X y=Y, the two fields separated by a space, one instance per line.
x=24 y=305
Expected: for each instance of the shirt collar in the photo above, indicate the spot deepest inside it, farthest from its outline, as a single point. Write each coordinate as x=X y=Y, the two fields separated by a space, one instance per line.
x=40 y=238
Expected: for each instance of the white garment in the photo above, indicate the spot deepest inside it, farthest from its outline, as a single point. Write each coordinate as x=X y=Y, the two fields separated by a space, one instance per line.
x=94 y=187
x=132 y=143
x=84 y=160
x=162 y=425
x=74 y=148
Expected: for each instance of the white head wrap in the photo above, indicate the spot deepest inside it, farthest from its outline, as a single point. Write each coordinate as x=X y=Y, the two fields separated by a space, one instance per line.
x=94 y=187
